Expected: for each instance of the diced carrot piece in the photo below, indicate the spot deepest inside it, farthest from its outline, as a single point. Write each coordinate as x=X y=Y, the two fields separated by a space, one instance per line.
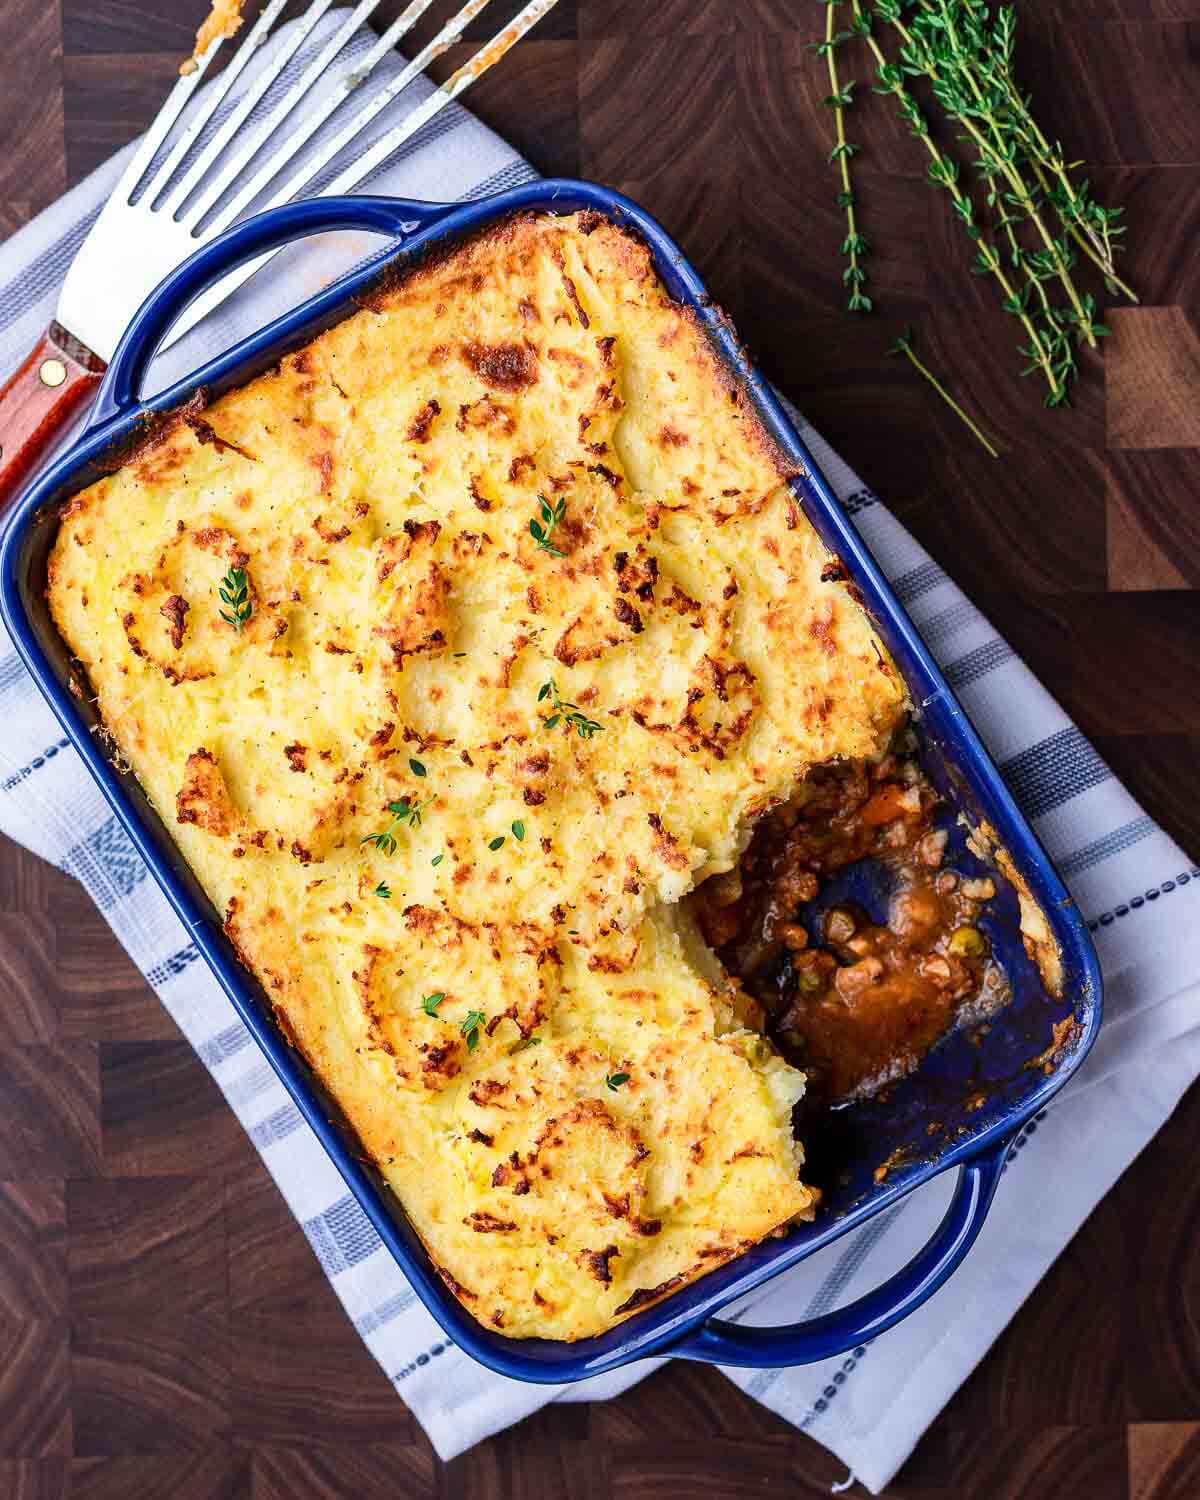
x=885 y=806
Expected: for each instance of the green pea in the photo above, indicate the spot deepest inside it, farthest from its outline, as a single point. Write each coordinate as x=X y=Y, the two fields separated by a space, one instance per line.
x=967 y=942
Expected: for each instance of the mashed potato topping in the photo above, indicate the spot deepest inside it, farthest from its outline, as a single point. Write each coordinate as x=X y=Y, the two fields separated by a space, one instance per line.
x=453 y=652
x=223 y=20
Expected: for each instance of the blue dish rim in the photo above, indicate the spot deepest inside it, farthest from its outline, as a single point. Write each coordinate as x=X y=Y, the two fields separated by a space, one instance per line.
x=677 y=1324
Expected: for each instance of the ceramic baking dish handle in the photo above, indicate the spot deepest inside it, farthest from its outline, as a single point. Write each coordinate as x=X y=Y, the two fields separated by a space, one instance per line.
x=397 y=218
x=718 y=1342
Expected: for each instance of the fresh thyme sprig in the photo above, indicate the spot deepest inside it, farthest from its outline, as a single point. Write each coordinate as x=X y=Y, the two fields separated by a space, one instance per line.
x=1092 y=226
x=470 y=1027
x=383 y=891
x=855 y=244
x=615 y=1080
x=542 y=531
x=949 y=41
x=403 y=811
x=1039 y=224
x=234 y=589
x=944 y=173
x=903 y=345
x=568 y=714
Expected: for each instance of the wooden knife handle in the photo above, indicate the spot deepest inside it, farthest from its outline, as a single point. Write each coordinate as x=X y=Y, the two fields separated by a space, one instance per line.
x=37 y=402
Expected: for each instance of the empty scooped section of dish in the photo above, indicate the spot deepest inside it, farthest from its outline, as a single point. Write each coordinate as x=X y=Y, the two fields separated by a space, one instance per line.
x=883 y=942
x=846 y=922
x=1003 y=1041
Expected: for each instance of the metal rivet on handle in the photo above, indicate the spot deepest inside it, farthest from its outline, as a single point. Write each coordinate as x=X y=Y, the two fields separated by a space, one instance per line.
x=52 y=372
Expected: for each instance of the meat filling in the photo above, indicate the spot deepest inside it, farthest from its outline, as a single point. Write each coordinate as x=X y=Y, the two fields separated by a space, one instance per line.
x=852 y=1001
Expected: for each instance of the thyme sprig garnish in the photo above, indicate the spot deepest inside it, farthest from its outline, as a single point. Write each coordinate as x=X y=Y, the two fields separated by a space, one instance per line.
x=951 y=43
x=1037 y=224
x=1093 y=227
x=383 y=891
x=839 y=99
x=470 y=1026
x=903 y=345
x=403 y=811
x=943 y=172
x=542 y=531
x=234 y=590
x=615 y=1080
x=568 y=714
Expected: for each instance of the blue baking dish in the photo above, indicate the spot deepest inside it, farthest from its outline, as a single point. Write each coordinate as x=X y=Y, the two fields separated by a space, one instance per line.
x=975 y=1090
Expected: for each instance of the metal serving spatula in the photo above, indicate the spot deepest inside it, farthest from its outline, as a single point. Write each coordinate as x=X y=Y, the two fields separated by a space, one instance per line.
x=148 y=227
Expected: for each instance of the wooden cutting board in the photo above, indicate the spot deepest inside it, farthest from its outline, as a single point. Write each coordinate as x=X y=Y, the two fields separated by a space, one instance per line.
x=164 y=1329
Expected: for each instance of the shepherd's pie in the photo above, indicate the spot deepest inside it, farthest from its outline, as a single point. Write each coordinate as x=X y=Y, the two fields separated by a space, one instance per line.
x=455 y=651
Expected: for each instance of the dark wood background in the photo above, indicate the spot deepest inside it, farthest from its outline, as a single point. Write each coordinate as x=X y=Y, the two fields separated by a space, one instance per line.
x=164 y=1328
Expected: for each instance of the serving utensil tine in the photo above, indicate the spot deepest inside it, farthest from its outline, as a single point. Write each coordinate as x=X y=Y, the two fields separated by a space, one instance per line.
x=162 y=124
x=244 y=150
x=180 y=189
x=475 y=67
x=306 y=126
x=242 y=110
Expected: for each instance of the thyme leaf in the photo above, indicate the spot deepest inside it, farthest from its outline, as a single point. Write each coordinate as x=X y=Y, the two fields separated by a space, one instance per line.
x=470 y=1026
x=568 y=714
x=405 y=810
x=541 y=531
x=234 y=590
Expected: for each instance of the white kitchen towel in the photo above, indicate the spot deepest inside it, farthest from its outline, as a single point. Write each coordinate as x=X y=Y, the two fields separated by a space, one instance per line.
x=1140 y=894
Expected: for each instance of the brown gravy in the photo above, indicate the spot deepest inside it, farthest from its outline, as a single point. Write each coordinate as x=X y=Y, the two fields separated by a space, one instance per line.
x=864 y=1002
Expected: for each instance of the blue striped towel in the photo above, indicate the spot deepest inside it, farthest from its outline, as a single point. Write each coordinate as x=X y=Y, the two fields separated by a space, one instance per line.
x=1139 y=892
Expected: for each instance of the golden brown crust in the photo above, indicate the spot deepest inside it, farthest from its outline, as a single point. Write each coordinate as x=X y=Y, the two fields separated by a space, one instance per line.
x=223 y=20
x=535 y=632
